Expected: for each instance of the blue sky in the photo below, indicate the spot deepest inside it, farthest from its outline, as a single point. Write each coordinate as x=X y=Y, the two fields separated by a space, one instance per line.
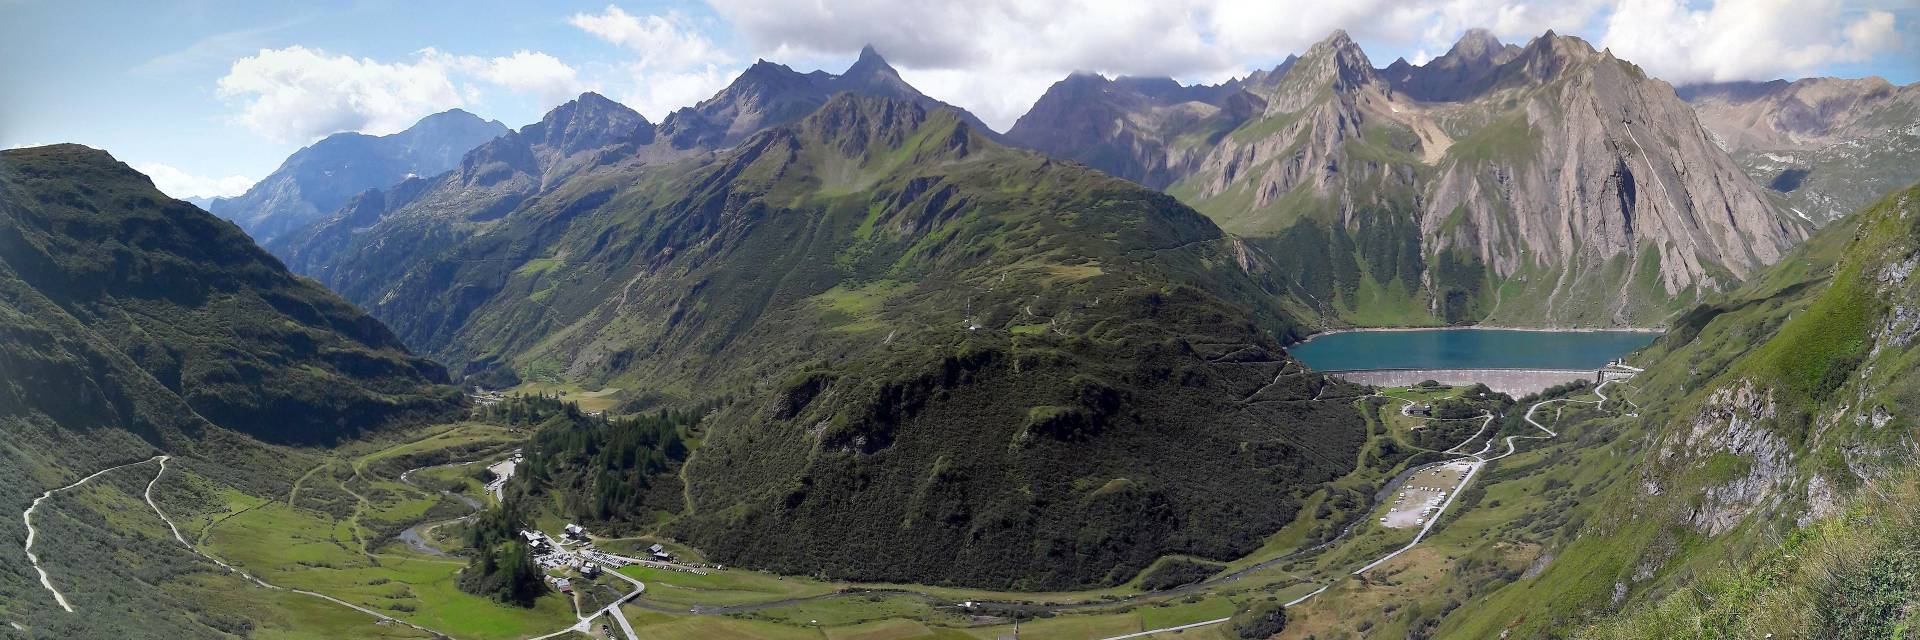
x=210 y=95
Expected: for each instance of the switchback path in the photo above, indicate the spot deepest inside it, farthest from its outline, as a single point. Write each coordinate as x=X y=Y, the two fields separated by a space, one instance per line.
x=237 y=571
x=27 y=517
x=1478 y=463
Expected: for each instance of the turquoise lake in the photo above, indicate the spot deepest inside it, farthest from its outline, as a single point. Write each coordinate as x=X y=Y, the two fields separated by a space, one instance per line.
x=1467 y=349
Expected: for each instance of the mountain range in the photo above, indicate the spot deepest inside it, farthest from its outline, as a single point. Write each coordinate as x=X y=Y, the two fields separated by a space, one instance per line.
x=793 y=234
x=1544 y=185
x=872 y=340
x=317 y=180
x=1823 y=147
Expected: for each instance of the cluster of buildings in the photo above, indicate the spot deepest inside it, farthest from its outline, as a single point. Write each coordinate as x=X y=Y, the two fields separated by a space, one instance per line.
x=486 y=397
x=554 y=555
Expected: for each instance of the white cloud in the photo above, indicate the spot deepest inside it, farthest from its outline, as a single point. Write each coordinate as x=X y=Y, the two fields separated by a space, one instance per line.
x=991 y=56
x=1744 y=39
x=998 y=56
x=530 y=72
x=658 y=93
x=180 y=184
x=663 y=41
x=299 y=94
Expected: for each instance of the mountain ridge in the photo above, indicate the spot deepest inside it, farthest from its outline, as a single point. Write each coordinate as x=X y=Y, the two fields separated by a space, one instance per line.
x=320 y=178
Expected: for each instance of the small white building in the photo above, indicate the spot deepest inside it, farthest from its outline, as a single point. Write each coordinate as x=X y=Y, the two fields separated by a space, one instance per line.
x=575 y=531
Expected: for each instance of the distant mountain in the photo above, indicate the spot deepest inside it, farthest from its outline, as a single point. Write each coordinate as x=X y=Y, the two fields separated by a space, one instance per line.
x=768 y=95
x=1823 y=146
x=135 y=311
x=318 y=179
x=1149 y=130
x=1545 y=185
x=368 y=245
x=1462 y=73
x=359 y=249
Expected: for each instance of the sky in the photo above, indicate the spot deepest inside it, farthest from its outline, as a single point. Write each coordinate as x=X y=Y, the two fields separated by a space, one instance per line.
x=208 y=96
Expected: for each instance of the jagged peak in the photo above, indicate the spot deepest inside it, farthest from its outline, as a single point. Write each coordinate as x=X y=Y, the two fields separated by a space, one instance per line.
x=869 y=63
x=1477 y=42
x=1546 y=56
x=1336 y=60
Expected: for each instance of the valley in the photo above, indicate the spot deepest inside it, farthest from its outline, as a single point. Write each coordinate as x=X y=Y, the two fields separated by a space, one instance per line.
x=1521 y=341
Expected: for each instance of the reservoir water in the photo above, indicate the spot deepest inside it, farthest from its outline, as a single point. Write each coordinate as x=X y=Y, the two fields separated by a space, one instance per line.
x=1467 y=349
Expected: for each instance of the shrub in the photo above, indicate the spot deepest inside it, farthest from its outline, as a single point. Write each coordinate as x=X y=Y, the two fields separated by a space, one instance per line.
x=1261 y=619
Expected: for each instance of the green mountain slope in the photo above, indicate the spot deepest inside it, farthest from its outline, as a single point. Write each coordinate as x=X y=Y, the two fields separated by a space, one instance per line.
x=928 y=346
x=198 y=307
x=1783 y=412
x=134 y=325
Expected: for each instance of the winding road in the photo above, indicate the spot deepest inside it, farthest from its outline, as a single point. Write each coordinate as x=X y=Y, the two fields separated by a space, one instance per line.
x=27 y=518
x=1478 y=463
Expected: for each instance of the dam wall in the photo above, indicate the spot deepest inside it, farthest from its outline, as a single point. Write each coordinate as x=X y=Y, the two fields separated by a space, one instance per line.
x=1513 y=382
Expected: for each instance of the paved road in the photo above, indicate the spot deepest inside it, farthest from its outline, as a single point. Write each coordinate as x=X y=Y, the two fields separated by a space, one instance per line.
x=585 y=625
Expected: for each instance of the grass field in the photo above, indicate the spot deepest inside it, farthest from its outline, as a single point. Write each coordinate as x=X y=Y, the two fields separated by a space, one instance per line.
x=337 y=538
x=589 y=400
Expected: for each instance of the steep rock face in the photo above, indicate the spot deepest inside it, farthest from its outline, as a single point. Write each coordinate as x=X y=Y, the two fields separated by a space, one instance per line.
x=1148 y=130
x=1562 y=188
x=207 y=317
x=1621 y=206
x=936 y=347
x=1822 y=146
x=318 y=179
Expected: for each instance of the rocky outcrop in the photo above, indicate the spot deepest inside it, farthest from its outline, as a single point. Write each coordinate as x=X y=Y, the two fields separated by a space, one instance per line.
x=1730 y=443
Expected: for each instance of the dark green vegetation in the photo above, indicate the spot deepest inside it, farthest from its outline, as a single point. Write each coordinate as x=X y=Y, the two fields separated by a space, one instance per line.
x=1261 y=619
x=192 y=303
x=611 y=471
x=502 y=567
x=949 y=361
x=132 y=324
x=1174 y=572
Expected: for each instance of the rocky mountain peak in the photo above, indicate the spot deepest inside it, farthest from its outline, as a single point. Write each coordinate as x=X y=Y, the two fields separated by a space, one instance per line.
x=869 y=63
x=1477 y=49
x=1337 y=60
x=1545 y=57
x=589 y=121
x=854 y=123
